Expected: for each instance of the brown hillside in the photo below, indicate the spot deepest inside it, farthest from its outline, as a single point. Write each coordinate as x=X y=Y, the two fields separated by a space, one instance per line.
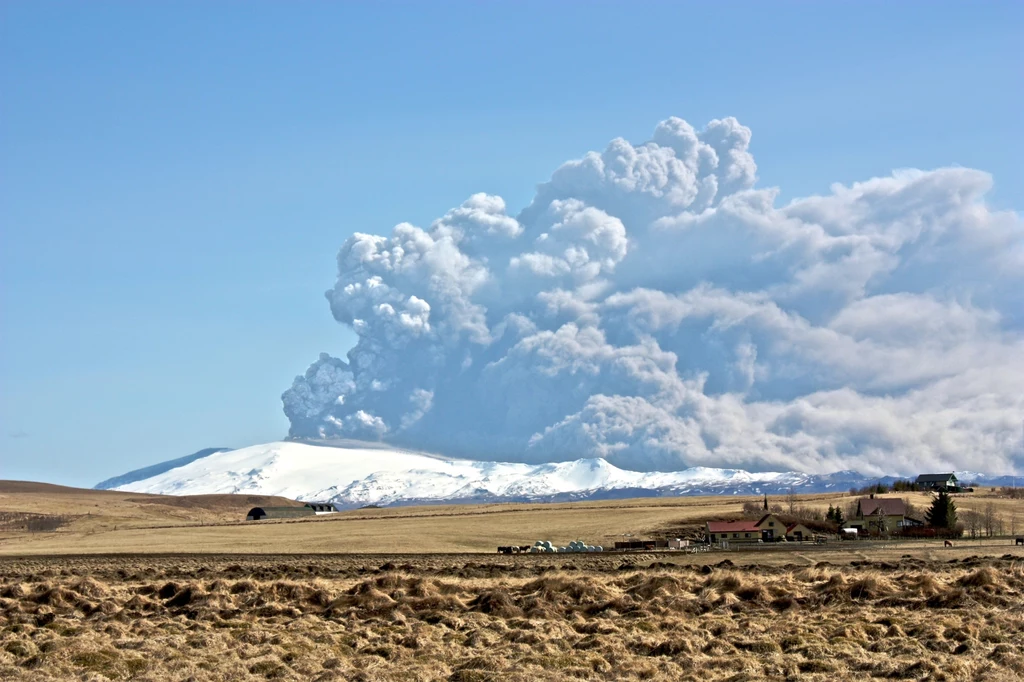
x=86 y=511
x=23 y=487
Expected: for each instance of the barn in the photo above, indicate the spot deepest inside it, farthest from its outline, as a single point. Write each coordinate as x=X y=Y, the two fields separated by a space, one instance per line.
x=259 y=513
x=767 y=529
x=322 y=507
x=798 y=532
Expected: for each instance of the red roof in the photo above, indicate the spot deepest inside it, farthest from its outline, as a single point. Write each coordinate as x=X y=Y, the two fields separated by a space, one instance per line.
x=744 y=526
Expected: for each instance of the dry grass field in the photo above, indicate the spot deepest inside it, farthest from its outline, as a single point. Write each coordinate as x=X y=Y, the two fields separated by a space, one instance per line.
x=142 y=587
x=114 y=522
x=584 y=617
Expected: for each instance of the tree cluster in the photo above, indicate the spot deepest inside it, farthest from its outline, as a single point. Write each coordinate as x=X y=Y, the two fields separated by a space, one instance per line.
x=879 y=488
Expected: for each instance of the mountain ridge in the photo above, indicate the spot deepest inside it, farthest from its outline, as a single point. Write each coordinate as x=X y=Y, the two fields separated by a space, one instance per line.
x=155 y=469
x=353 y=474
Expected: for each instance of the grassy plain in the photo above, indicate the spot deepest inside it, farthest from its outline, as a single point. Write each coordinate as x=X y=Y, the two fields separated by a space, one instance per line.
x=112 y=522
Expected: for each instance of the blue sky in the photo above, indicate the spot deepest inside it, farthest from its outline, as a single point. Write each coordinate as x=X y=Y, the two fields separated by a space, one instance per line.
x=176 y=178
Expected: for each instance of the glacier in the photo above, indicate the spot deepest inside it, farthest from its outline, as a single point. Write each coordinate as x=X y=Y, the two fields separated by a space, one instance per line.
x=354 y=474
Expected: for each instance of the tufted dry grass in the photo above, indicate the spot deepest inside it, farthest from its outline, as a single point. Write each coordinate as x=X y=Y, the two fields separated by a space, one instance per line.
x=533 y=618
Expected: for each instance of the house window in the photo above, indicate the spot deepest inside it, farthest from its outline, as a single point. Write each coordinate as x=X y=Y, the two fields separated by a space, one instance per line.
x=746 y=535
x=735 y=535
x=771 y=523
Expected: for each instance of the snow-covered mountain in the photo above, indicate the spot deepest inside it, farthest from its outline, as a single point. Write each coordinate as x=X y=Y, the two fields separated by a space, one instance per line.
x=151 y=471
x=354 y=474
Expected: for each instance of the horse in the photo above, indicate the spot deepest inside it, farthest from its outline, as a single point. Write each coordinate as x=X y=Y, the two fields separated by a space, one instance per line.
x=947 y=543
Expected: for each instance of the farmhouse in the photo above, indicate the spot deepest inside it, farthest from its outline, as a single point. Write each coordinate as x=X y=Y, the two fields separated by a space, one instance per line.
x=881 y=515
x=767 y=529
x=257 y=513
x=947 y=482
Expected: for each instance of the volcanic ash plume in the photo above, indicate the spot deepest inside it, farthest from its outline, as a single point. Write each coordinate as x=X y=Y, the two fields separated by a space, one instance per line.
x=654 y=307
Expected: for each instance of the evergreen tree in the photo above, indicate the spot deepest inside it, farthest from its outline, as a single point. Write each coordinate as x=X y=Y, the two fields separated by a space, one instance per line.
x=942 y=513
x=766 y=501
x=835 y=515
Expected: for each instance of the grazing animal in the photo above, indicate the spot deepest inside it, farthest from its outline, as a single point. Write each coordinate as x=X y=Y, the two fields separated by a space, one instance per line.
x=947 y=543
x=1020 y=541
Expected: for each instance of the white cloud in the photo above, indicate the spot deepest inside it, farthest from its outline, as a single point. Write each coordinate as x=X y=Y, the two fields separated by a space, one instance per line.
x=652 y=306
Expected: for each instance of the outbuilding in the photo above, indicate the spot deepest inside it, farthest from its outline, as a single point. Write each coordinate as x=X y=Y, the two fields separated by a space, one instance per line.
x=322 y=507
x=766 y=529
x=798 y=532
x=259 y=513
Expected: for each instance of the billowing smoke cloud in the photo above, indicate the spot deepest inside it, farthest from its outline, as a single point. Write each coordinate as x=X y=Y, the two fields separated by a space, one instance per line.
x=652 y=306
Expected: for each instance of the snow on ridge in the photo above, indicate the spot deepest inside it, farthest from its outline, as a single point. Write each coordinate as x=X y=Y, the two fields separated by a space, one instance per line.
x=352 y=475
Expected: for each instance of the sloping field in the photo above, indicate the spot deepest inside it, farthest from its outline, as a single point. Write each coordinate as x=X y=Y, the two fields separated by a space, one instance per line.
x=86 y=511
x=584 y=617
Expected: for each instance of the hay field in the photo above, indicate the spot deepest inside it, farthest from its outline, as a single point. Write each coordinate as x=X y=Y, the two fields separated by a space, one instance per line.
x=110 y=522
x=507 y=618
x=476 y=528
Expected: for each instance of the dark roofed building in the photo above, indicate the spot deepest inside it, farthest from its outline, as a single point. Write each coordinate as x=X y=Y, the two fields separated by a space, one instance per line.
x=257 y=513
x=882 y=514
x=766 y=529
x=947 y=482
x=881 y=506
x=322 y=507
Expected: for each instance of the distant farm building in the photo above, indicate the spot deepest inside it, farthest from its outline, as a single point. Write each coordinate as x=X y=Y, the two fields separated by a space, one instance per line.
x=767 y=529
x=259 y=513
x=882 y=515
x=798 y=532
x=322 y=507
x=947 y=482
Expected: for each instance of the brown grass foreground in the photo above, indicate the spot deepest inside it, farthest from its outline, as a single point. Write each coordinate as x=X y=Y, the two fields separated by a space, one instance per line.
x=507 y=618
